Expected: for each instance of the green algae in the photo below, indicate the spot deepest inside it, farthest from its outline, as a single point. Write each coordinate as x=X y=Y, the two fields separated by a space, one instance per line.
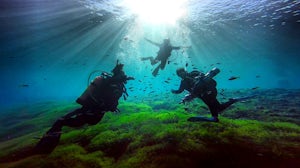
x=141 y=136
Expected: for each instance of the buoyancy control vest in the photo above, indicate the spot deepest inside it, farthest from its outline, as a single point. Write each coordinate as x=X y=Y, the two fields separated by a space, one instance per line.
x=204 y=83
x=102 y=93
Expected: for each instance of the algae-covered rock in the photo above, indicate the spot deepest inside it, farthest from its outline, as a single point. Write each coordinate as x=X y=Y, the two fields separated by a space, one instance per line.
x=144 y=136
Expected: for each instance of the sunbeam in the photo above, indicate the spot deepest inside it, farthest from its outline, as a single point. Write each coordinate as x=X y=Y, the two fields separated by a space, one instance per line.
x=157 y=11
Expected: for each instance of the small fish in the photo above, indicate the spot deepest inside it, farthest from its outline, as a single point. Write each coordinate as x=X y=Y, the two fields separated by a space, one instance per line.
x=169 y=62
x=167 y=81
x=233 y=78
x=168 y=78
x=151 y=92
x=187 y=64
x=254 y=88
x=140 y=81
x=130 y=88
x=257 y=76
x=175 y=63
x=212 y=64
x=24 y=85
x=218 y=63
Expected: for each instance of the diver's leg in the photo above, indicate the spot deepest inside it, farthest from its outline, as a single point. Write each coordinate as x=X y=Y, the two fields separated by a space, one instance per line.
x=152 y=60
x=223 y=106
x=163 y=64
x=155 y=72
x=94 y=117
x=67 y=120
x=146 y=58
x=213 y=104
x=86 y=116
x=51 y=139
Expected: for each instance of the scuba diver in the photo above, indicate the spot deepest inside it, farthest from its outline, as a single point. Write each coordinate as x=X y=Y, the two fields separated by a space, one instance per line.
x=102 y=95
x=203 y=86
x=163 y=54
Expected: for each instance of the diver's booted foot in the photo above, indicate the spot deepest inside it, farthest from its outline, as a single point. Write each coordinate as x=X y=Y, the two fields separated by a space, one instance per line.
x=47 y=143
x=201 y=118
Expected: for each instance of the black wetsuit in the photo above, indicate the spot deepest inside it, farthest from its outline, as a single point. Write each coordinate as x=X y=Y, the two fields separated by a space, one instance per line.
x=101 y=95
x=163 y=54
x=207 y=92
x=92 y=110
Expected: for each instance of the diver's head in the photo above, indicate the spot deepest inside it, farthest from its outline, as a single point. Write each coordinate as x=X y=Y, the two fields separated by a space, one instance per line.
x=167 y=41
x=181 y=72
x=118 y=69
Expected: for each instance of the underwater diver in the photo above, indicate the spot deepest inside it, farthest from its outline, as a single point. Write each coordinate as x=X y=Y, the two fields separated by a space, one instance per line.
x=165 y=50
x=102 y=95
x=202 y=86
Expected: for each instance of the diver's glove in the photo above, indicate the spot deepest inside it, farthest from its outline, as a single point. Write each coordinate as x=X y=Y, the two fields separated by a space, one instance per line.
x=187 y=98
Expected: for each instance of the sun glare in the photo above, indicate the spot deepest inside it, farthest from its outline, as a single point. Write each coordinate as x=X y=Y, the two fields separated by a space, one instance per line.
x=157 y=11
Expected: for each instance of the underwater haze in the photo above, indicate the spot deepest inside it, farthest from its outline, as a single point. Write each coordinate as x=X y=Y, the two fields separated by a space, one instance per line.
x=52 y=50
x=49 y=48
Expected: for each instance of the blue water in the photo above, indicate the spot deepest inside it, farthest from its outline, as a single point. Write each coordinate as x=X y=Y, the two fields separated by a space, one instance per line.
x=48 y=48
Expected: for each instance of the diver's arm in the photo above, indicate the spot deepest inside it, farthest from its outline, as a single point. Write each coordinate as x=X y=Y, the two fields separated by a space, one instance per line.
x=176 y=48
x=181 y=47
x=180 y=90
x=152 y=42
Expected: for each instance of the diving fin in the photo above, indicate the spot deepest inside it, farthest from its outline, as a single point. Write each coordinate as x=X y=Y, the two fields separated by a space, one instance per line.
x=47 y=143
x=202 y=118
x=155 y=72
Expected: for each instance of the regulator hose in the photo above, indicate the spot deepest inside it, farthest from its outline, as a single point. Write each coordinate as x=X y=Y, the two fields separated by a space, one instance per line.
x=90 y=75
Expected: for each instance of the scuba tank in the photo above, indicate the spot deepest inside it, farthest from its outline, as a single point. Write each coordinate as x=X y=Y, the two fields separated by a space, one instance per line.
x=205 y=82
x=212 y=73
x=89 y=96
